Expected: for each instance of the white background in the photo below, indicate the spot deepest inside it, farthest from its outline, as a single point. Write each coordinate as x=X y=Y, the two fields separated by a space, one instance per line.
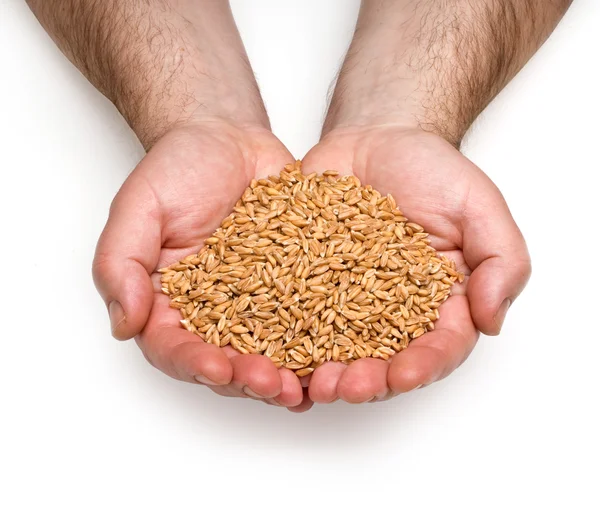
x=85 y=421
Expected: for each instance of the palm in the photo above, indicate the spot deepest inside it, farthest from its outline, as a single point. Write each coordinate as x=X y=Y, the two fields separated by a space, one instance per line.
x=435 y=186
x=195 y=180
x=176 y=198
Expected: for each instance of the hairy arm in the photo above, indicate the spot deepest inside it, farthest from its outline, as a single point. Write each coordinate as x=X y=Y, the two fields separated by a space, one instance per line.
x=436 y=64
x=161 y=62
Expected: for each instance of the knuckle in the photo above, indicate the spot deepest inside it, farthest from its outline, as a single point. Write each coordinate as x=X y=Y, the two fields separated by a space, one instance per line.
x=101 y=266
x=523 y=269
x=527 y=268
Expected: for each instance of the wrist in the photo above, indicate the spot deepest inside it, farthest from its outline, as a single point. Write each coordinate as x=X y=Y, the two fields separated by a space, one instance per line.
x=179 y=105
x=366 y=138
x=374 y=102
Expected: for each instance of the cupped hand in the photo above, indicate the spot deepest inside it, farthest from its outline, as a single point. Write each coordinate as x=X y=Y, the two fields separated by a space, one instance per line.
x=176 y=197
x=468 y=221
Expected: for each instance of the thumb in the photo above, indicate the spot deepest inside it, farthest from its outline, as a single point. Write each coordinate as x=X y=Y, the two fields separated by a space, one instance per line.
x=496 y=251
x=127 y=252
x=329 y=155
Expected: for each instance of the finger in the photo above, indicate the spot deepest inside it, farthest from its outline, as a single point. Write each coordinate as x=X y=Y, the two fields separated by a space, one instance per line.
x=329 y=154
x=496 y=251
x=274 y=155
x=305 y=381
x=236 y=389
x=364 y=380
x=305 y=405
x=179 y=353
x=227 y=391
x=324 y=382
x=127 y=252
x=436 y=354
x=183 y=356
x=291 y=390
x=256 y=376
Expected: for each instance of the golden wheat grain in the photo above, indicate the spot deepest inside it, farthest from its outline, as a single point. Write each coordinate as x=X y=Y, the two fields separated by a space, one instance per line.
x=312 y=268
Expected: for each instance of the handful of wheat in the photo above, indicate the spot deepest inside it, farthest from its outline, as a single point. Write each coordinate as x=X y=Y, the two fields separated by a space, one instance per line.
x=309 y=269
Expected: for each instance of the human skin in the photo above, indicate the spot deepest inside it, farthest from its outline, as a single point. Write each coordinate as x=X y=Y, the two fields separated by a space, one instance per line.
x=179 y=74
x=416 y=76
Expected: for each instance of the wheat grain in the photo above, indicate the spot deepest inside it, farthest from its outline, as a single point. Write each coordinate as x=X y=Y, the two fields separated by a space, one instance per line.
x=312 y=268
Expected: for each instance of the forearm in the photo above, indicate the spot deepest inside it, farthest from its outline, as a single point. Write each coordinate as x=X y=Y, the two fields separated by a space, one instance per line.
x=436 y=64
x=161 y=62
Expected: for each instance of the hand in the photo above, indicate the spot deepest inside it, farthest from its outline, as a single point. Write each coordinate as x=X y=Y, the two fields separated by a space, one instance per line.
x=174 y=199
x=468 y=221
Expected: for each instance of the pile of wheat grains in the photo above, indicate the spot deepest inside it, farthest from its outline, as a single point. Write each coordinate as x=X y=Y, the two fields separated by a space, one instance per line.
x=312 y=268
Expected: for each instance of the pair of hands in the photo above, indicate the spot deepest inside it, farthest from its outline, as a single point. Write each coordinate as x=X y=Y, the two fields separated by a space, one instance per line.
x=192 y=177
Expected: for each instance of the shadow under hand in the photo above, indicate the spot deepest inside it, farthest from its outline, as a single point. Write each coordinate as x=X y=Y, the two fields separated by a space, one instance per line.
x=335 y=427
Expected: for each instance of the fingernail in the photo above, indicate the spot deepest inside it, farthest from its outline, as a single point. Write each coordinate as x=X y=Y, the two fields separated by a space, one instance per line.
x=271 y=401
x=116 y=314
x=201 y=379
x=251 y=393
x=418 y=387
x=501 y=313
